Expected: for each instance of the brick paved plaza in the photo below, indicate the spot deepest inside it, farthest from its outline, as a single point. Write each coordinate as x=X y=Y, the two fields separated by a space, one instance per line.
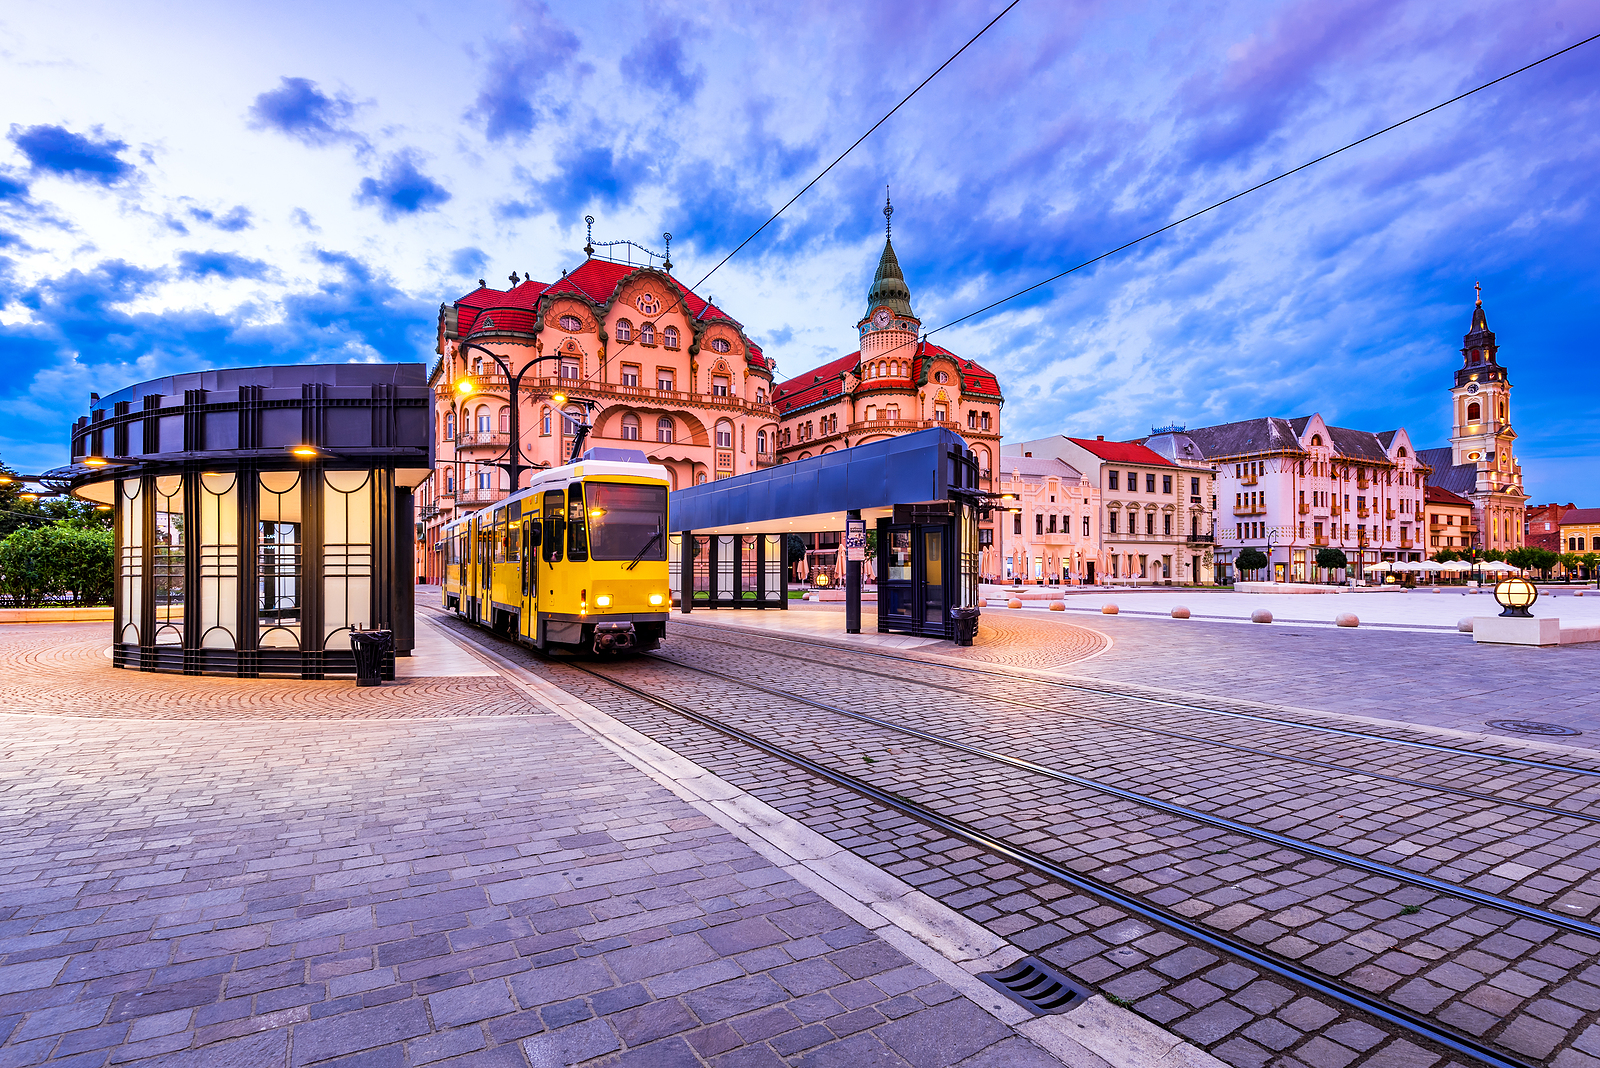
x=450 y=870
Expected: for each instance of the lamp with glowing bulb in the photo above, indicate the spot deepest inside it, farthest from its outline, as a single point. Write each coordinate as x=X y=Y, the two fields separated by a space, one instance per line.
x=1516 y=595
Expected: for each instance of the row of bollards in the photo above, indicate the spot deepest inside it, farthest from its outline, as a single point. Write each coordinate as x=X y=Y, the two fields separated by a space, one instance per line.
x=1260 y=615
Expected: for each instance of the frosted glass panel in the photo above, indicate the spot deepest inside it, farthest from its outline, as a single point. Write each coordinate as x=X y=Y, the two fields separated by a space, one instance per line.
x=169 y=560
x=218 y=602
x=130 y=561
x=278 y=548
x=346 y=555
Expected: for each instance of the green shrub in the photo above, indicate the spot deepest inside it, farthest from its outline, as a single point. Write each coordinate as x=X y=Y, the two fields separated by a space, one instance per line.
x=46 y=563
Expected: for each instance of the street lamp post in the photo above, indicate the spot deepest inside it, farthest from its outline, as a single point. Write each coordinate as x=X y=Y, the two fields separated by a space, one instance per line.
x=513 y=464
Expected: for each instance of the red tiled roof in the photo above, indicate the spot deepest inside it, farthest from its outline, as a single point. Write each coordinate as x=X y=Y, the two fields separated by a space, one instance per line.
x=594 y=281
x=1122 y=452
x=1581 y=515
x=1440 y=495
x=819 y=383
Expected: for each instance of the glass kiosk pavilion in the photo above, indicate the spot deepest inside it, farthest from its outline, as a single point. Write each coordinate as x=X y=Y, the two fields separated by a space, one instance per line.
x=261 y=513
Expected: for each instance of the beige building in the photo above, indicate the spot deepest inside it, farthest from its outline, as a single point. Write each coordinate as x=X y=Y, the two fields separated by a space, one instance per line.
x=1154 y=520
x=651 y=364
x=1450 y=521
x=1056 y=536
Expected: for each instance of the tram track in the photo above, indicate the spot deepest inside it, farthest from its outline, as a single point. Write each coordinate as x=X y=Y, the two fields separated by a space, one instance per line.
x=1271 y=754
x=1133 y=695
x=1415 y=1023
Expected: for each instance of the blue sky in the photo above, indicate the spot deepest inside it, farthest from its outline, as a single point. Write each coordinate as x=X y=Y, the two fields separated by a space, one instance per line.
x=188 y=185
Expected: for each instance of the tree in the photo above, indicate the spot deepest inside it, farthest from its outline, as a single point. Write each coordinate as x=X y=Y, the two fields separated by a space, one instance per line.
x=1252 y=560
x=1589 y=561
x=44 y=563
x=1332 y=559
x=1444 y=556
x=1522 y=556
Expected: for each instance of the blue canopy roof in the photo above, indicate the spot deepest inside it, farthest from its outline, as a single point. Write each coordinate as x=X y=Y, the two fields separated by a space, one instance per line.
x=814 y=494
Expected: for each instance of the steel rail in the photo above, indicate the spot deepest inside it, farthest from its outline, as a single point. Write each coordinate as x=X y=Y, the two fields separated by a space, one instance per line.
x=1111 y=692
x=1300 y=845
x=1548 y=810
x=1348 y=995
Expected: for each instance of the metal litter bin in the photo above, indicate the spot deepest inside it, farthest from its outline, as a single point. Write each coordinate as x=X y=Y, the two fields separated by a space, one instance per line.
x=965 y=621
x=370 y=647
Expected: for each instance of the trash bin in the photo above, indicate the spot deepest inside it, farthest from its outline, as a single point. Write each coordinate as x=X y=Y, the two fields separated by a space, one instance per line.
x=966 y=624
x=370 y=647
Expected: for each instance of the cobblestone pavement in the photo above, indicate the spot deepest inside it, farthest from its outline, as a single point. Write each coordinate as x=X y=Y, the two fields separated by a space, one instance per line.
x=1530 y=987
x=275 y=889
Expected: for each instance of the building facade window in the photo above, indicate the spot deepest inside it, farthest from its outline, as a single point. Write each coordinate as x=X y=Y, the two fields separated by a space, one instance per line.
x=664 y=429
x=719 y=344
x=719 y=386
x=647 y=334
x=664 y=379
x=724 y=435
x=630 y=427
x=624 y=331
x=630 y=375
x=570 y=323
x=544 y=422
x=569 y=369
x=1111 y=482
x=669 y=337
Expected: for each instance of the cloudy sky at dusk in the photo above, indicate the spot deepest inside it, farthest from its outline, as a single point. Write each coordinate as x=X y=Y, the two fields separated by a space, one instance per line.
x=185 y=185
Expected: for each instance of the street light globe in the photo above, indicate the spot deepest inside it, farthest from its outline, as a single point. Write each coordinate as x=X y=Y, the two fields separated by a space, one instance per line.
x=464 y=386
x=1516 y=595
x=558 y=398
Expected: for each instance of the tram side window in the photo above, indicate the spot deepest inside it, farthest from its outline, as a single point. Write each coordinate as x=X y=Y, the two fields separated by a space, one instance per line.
x=555 y=524
x=513 y=534
x=577 y=524
x=499 y=537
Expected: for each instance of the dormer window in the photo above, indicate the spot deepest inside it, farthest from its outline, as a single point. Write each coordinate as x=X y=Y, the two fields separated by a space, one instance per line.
x=570 y=323
x=720 y=344
x=940 y=376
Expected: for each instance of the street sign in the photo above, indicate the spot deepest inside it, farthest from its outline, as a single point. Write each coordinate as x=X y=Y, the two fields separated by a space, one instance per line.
x=855 y=540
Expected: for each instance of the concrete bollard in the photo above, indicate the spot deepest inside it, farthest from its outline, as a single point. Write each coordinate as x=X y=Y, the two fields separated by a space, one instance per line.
x=1058 y=606
x=1013 y=603
x=1346 y=619
x=1464 y=625
x=1261 y=615
x=1108 y=609
x=1180 y=612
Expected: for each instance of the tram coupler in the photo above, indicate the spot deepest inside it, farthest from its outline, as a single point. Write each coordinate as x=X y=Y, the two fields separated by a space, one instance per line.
x=614 y=637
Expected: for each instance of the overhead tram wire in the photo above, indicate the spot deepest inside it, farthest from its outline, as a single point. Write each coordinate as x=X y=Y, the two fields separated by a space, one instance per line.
x=856 y=143
x=1242 y=193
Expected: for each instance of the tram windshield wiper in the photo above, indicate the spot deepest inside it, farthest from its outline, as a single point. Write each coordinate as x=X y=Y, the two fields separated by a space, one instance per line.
x=642 y=550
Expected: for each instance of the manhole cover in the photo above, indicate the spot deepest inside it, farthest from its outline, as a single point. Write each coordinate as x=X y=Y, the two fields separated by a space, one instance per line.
x=1528 y=726
x=1036 y=986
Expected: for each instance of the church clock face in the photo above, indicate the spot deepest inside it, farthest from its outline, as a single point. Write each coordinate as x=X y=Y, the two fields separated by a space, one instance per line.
x=882 y=317
x=1472 y=388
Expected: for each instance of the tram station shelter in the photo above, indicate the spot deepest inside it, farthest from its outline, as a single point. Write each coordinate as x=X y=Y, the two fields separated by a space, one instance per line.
x=918 y=490
x=261 y=513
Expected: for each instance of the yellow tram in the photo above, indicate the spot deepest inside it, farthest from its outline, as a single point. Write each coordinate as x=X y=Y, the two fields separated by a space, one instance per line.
x=578 y=559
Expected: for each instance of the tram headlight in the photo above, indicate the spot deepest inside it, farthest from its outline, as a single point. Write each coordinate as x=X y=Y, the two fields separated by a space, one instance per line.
x=656 y=598
x=603 y=600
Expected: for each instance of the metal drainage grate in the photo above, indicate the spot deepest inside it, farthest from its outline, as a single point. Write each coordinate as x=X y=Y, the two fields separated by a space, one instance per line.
x=1036 y=986
x=1528 y=726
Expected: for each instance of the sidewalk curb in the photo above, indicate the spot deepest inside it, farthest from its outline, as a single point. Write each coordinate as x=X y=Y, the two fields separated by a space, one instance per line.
x=949 y=945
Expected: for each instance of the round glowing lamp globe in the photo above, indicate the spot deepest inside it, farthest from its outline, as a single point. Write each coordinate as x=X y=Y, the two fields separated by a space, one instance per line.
x=1516 y=596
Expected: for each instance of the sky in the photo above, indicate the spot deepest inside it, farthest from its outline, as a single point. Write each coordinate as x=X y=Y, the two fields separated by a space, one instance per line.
x=188 y=185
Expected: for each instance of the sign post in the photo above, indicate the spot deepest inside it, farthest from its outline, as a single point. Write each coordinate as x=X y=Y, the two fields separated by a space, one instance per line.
x=855 y=553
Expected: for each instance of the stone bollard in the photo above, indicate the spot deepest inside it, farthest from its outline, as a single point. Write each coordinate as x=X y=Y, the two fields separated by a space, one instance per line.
x=1180 y=612
x=1058 y=606
x=1013 y=603
x=1464 y=625
x=1346 y=619
x=1261 y=615
x=1108 y=609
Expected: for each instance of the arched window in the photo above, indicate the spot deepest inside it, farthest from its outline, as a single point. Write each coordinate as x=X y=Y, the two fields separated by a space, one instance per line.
x=941 y=377
x=1316 y=439
x=505 y=420
x=664 y=429
x=544 y=422
x=669 y=337
x=477 y=365
x=647 y=334
x=570 y=421
x=624 y=330
x=630 y=427
x=724 y=434
x=1403 y=451
x=700 y=479
x=450 y=425
x=972 y=419
x=883 y=368
x=761 y=395
x=571 y=323
x=1474 y=412
x=761 y=442
x=483 y=420
x=720 y=344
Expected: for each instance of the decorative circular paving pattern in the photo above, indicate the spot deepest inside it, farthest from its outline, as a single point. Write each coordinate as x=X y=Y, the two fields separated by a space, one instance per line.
x=1013 y=638
x=1528 y=726
x=63 y=669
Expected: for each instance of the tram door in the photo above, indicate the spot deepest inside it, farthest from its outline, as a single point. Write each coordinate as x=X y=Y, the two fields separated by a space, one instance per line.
x=529 y=618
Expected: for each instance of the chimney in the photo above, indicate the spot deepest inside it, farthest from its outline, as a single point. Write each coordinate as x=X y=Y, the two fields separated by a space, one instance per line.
x=1099 y=437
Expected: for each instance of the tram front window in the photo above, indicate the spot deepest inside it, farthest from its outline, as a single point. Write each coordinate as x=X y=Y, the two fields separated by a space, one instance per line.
x=627 y=522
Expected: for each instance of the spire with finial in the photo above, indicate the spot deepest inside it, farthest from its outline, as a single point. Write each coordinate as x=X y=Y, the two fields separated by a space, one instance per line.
x=666 y=261
x=1478 y=286
x=889 y=287
x=588 y=244
x=1480 y=321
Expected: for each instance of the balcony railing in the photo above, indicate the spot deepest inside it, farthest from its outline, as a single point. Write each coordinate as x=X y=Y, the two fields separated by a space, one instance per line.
x=1250 y=509
x=1362 y=483
x=481 y=496
x=1304 y=509
x=1362 y=513
x=1248 y=480
x=479 y=438
x=1388 y=513
x=1201 y=539
x=1335 y=510
x=1320 y=539
x=1407 y=543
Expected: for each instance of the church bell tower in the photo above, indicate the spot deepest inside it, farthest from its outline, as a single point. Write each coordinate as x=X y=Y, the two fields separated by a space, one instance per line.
x=1481 y=431
x=890 y=326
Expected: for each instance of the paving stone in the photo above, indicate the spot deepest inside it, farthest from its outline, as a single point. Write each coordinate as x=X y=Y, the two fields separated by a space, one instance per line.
x=572 y=1044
